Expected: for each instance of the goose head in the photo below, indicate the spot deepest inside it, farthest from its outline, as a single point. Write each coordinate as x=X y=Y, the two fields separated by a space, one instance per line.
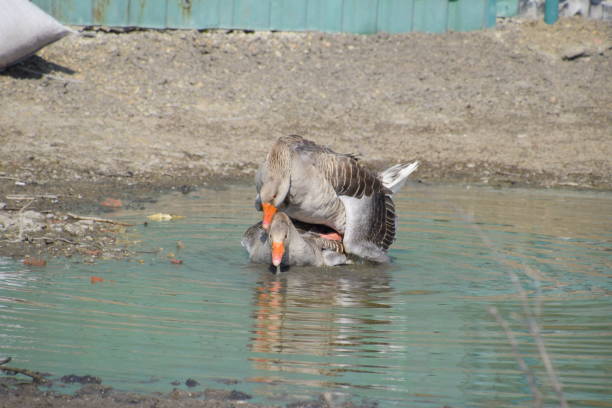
x=278 y=236
x=272 y=195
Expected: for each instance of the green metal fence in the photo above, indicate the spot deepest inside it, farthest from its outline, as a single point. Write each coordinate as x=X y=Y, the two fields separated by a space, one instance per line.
x=356 y=16
x=507 y=8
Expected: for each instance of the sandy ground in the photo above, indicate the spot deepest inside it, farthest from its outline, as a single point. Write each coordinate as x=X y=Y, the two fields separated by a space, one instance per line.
x=128 y=115
x=499 y=106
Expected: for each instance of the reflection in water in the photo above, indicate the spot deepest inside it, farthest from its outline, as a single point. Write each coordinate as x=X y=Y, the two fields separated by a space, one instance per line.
x=313 y=313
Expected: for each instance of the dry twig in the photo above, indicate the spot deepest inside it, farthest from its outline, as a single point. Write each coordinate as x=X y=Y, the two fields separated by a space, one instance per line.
x=30 y=197
x=96 y=219
x=36 y=376
x=520 y=360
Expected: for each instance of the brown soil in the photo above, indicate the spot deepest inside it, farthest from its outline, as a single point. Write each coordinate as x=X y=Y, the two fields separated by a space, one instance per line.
x=129 y=115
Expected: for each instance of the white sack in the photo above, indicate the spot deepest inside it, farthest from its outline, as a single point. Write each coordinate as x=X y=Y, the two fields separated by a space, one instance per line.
x=25 y=29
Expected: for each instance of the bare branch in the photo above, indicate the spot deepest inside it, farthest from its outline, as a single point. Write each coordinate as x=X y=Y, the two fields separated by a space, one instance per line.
x=534 y=328
x=36 y=376
x=96 y=219
x=515 y=351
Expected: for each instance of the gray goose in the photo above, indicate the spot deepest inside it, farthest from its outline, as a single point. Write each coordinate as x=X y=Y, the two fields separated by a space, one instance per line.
x=314 y=184
x=284 y=244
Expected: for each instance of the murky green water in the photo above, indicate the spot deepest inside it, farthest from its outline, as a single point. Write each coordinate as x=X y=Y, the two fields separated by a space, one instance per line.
x=414 y=333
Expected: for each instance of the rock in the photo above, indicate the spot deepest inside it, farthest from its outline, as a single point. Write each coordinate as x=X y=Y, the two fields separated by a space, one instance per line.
x=574 y=52
x=191 y=382
x=239 y=396
x=75 y=229
x=6 y=222
x=31 y=221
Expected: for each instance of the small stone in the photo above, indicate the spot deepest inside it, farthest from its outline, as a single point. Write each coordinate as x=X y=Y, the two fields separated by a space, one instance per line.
x=574 y=53
x=191 y=382
x=75 y=229
x=239 y=396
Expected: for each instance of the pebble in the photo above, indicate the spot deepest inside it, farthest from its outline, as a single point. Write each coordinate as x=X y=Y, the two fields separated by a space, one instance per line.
x=574 y=53
x=191 y=382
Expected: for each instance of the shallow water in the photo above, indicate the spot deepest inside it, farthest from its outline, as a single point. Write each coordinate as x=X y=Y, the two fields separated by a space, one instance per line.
x=413 y=333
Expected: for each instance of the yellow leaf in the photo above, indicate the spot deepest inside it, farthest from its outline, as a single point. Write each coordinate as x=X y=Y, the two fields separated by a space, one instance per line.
x=164 y=217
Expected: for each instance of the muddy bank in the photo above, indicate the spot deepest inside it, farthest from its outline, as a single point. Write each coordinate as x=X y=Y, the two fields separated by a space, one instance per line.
x=15 y=393
x=128 y=115
x=37 y=235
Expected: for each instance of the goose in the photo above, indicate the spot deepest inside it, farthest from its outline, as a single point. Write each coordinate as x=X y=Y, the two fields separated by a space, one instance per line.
x=314 y=184
x=284 y=243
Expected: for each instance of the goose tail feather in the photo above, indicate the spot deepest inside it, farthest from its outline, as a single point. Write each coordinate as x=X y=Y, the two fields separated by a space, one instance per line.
x=395 y=176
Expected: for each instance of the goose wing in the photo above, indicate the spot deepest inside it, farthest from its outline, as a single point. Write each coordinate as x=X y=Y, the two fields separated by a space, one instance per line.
x=349 y=178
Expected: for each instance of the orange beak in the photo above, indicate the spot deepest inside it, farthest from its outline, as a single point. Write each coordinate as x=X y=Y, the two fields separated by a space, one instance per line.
x=268 y=212
x=278 y=250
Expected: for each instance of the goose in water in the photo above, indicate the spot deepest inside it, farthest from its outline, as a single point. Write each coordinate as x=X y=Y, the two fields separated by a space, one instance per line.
x=284 y=244
x=316 y=185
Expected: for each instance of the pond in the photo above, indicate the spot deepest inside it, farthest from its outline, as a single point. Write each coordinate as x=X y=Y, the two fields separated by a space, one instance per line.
x=416 y=332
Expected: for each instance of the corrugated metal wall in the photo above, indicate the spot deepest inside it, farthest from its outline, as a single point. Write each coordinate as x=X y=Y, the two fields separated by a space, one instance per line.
x=356 y=16
x=507 y=8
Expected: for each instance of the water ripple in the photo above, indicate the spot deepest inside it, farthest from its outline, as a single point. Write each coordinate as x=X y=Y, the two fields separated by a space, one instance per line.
x=412 y=333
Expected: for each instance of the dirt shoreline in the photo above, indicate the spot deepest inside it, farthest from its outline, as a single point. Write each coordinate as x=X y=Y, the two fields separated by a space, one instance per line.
x=45 y=390
x=131 y=115
x=17 y=394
